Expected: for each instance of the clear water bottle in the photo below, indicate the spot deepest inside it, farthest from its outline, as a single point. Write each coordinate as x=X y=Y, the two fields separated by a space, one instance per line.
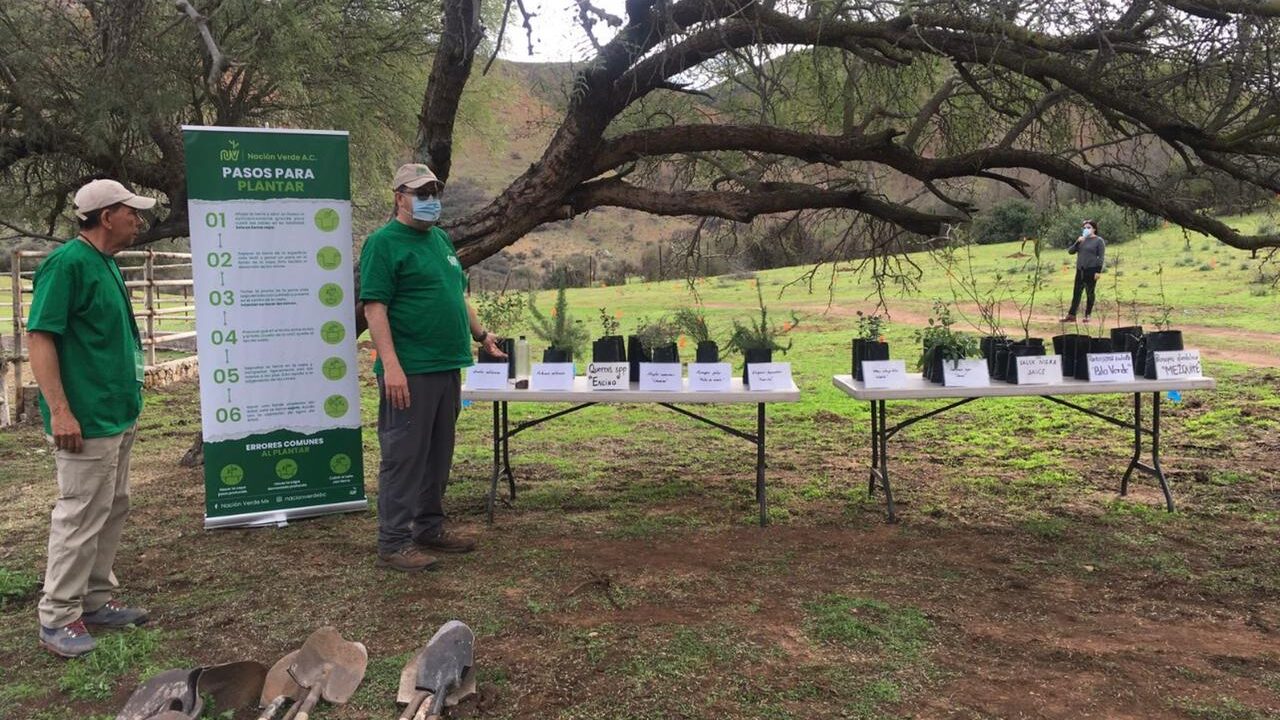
x=522 y=358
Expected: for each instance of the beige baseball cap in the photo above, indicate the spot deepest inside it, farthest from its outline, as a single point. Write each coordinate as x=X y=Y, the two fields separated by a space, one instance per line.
x=413 y=176
x=98 y=194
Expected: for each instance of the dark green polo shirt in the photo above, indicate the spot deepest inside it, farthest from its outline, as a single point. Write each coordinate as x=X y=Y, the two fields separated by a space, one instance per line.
x=416 y=274
x=79 y=298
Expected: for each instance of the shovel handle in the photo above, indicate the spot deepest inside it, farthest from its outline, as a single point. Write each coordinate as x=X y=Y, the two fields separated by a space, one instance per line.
x=411 y=708
x=313 y=697
x=273 y=707
x=294 y=711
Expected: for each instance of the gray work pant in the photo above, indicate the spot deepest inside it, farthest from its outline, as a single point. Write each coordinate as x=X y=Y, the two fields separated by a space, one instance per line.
x=417 y=452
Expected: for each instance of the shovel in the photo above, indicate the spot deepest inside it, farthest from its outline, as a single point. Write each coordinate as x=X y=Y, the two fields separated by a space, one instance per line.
x=232 y=685
x=328 y=666
x=408 y=690
x=441 y=667
x=172 y=691
x=278 y=687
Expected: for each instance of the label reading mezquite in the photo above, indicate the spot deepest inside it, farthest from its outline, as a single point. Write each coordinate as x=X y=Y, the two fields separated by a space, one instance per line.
x=270 y=216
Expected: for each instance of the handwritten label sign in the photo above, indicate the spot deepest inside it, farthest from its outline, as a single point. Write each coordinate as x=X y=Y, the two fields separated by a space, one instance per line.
x=710 y=377
x=1178 y=364
x=965 y=373
x=609 y=376
x=664 y=377
x=1040 y=370
x=884 y=374
x=551 y=376
x=769 y=376
x=1110 y=367
x=487 y=376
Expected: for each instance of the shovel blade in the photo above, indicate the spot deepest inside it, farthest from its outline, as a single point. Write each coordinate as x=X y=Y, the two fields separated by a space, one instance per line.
x=446 y=658
x=233 y=685
x=171 y=690
x=279 y=682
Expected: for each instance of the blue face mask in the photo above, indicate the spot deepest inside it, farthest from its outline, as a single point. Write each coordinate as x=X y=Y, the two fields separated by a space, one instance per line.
x=1088 y=232
x=426 y=209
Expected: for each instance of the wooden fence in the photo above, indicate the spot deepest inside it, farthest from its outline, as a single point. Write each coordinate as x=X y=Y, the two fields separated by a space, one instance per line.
x=164 y=310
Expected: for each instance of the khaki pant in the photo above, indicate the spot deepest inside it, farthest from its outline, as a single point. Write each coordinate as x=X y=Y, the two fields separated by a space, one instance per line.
x=93 y=502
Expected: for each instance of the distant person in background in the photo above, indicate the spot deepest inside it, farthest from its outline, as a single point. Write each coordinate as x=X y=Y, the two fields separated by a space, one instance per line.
x=87 y=359
x=1089 y=250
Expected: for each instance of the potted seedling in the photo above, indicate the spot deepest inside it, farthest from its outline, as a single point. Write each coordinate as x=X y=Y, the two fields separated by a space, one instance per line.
x=1027 y=346
x=562 y=335
x=694 y=324
x=989 y=302
x=869 y=344
x=939 y=342
x=501 y=313
x=658 y=337
x=1124 y=338
x=609 y=348
x=1069 y=345
x=1163 y=339
x=758 y=340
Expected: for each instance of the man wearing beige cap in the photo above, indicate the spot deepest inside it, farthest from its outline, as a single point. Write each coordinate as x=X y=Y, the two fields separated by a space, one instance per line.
x=87 y=359
x=413 y=290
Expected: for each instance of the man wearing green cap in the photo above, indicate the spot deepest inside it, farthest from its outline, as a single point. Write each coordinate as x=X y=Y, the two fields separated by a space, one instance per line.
x=413 y=289
x=87 y=358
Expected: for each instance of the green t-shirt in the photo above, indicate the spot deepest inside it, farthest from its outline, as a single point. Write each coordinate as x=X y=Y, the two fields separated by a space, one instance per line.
x=79 y=298
x=416 y=274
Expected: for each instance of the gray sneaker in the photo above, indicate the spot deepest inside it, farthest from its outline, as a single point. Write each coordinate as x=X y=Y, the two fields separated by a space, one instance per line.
x=115 y=614
x=70 y=641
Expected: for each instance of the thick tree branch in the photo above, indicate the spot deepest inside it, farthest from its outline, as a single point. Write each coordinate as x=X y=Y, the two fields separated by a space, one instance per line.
x=745 y=206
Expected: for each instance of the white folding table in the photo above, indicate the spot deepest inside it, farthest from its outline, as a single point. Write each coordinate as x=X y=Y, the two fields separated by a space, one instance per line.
x=584 y=397
x=917 y=388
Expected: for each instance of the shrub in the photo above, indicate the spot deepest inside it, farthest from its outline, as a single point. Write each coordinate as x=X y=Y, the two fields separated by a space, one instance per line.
x=1115 y=224
x=1009 y=221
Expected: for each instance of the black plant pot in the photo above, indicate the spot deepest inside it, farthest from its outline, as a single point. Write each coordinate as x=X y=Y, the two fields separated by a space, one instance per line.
x=608 y=349
x=1030 y=347
x=636 y=354
x=556 y=355
x=754 y=355
x=1160 y=341
x=669 y=353
x=1120 y=335
x=864 y=350
x=1137 y=347
x=1067 y=346
x=991 y=345
x=938 y=375
x=509 y=347
x=1095 y=345
x=708 y=352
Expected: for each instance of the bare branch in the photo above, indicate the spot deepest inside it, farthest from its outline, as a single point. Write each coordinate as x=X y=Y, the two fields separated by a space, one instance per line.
x=217 y=61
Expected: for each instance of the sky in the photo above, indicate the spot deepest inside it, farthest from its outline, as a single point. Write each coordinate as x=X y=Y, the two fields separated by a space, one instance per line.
x=557 y=34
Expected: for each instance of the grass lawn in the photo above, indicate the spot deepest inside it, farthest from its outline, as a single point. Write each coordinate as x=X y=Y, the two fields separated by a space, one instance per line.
x=629 y=580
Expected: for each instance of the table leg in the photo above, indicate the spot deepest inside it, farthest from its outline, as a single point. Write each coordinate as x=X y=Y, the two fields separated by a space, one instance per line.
x=760 y=491
x=875 y=447
x=1155 y=451
x=1137 y=443
x=883 y=433
x=1136 y=463
x=497 y=448
x=506 y=453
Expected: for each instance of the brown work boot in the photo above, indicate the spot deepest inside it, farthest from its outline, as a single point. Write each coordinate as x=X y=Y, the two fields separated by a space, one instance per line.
x=446 y=542
x=409 y=558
